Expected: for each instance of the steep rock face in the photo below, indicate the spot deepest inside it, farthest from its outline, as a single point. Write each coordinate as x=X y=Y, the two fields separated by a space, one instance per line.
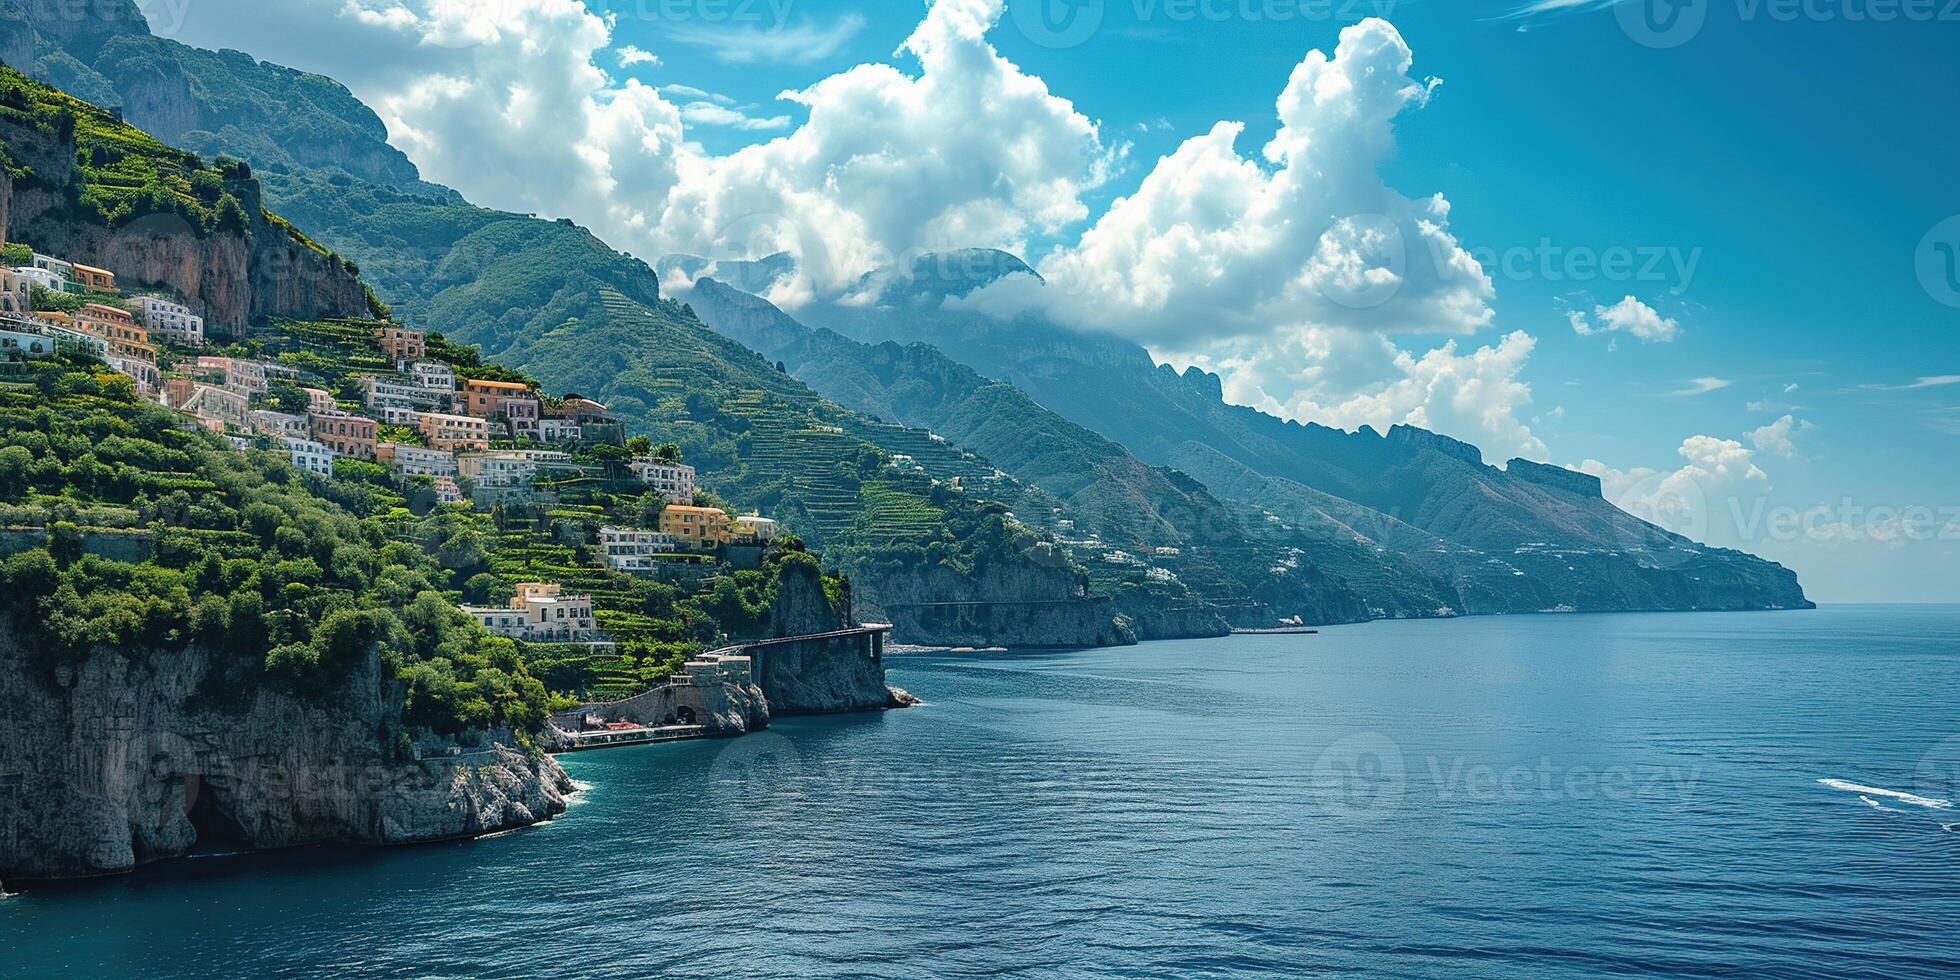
x=801 y=608
x=121 y=760
x=1025 y=605
x=821 y=677
x=234 y=279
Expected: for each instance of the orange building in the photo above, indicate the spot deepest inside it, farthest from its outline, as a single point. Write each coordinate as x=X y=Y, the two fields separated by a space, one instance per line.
x=699 y=528
x=346 y=435
x=454 y=433
x=481 y=398
x=401 y=344
x=93 y=279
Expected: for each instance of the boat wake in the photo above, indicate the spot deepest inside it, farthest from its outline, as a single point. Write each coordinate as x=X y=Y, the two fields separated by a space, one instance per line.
x=1867 y=792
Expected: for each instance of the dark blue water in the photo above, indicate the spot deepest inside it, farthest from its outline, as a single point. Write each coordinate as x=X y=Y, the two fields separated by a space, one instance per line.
x=1559 y=796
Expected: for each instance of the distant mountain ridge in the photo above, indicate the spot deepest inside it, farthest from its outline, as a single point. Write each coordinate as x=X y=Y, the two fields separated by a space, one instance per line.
x=1405 y=518
x=1524 y=539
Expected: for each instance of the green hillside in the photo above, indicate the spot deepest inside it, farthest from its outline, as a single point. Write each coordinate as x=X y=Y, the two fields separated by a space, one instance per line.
x=291 y=577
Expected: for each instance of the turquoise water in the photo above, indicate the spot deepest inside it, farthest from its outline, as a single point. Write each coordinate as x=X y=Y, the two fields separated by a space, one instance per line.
x=1559 y=796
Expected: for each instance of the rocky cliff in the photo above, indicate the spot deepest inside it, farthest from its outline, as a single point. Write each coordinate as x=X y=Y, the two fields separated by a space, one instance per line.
x=122 y=760
x=819 y=677
x=236 y=275
x=1027 y=604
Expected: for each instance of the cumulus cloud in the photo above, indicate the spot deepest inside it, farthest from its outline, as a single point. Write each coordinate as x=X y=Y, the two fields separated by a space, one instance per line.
x=1686 y=500
x=1282 y=270
x=1629 y=316
x=1216 y=244
x=966 y=150
x=971 y=150
x=1349 y=379
x=1775 y=439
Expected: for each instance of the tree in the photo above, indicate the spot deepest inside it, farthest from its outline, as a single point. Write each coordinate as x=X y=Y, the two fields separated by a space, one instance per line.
x=668 y=453
x=287 y=396
x=14 y=464
x=639 y=445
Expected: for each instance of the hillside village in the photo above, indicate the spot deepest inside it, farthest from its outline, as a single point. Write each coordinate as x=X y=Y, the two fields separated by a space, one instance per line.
x=376 y=403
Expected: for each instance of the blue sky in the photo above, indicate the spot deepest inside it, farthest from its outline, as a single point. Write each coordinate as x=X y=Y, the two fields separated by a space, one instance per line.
x=1795 y=166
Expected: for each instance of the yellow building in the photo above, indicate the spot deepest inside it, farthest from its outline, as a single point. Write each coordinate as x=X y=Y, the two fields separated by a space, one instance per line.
x=700 y=528
x=91 y=278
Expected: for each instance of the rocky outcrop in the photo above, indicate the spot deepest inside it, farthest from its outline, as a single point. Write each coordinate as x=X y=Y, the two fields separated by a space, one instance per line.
x=822 y=677
x=234 y=278
x=1025 y=604
x=128 y=758
x=1556 y=477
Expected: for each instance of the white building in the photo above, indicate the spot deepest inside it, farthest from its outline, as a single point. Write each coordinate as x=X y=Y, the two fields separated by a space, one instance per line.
x=434 y=375
x=560 y=430
x=280 y=425
x=674 y=481
x=632 y=549
x=416 y=460
x=310 y=456
x=173 y=321
x=400 y=416
x=221 y=404
x=16 y=294
x=541 y=613
x=392 y=393
x=44 y=278
x=509 y=469
x=755 y=530
x=244 y=375
x=25 y=344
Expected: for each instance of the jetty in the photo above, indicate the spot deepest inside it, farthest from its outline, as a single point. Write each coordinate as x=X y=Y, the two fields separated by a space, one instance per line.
x=733 y=690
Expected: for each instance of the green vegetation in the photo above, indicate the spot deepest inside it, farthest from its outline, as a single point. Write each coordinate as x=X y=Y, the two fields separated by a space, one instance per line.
x=291 y=580
x=125 y=173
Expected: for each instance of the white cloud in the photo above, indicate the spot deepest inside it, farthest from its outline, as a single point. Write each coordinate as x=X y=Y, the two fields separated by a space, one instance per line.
x=1688 y=500
x=1701 y=386
x=1775 y=439
x=1934 y=381
x=717 y=114
x=969 y=151
x=507 y=103
x=630 y=56
x=1629 y=316
x=1348 y=379
x=691 y=94
x=746 y=44
x=1214 y=244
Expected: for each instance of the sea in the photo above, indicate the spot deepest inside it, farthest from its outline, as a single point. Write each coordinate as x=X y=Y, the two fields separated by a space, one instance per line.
x=1713 y=794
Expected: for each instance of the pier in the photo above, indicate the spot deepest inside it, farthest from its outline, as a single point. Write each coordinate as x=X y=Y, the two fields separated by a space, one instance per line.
x=733 y=690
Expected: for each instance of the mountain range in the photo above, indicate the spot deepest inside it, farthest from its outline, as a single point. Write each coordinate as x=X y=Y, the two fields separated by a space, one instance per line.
x=1008 y=480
